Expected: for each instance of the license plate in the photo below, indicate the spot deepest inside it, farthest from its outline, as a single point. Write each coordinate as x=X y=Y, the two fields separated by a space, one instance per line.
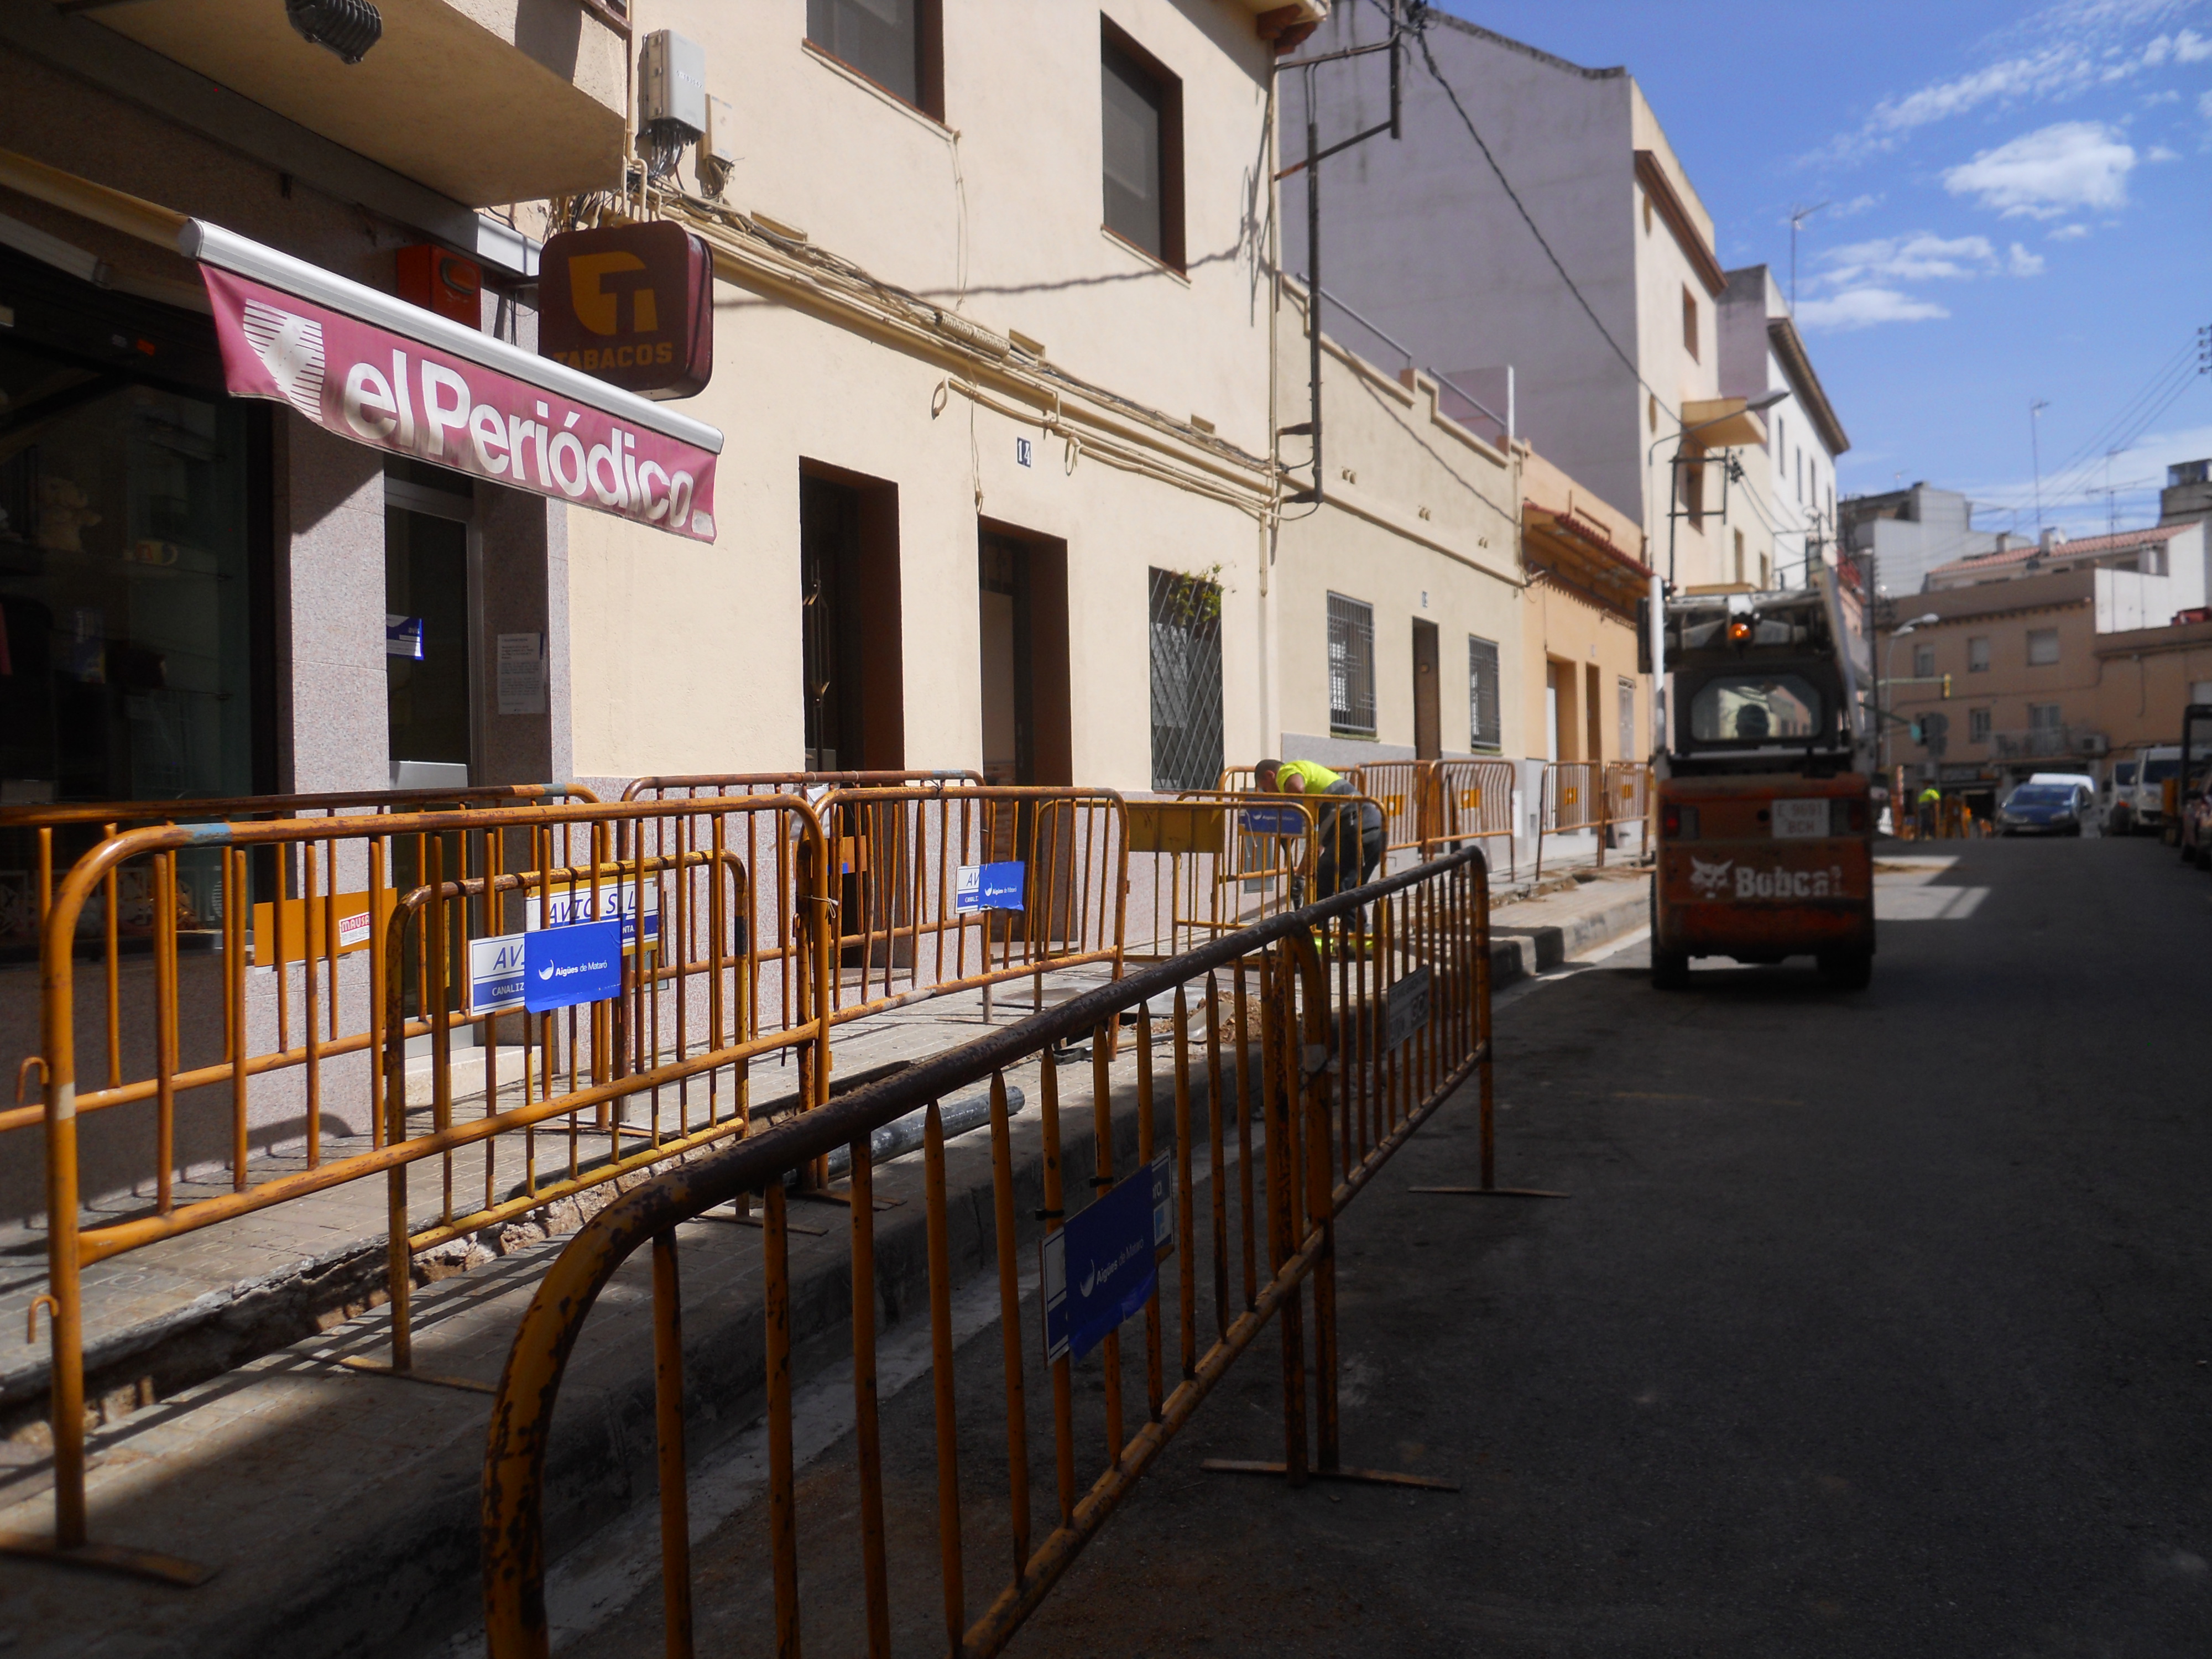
x=1801 y=820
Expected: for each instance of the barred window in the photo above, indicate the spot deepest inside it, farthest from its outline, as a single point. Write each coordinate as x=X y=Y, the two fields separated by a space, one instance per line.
x=1486 y=732
x=1186 y=652
x=1350 y=667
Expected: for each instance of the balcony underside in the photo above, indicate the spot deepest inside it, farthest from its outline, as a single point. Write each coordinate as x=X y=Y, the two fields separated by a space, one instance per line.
x=493 y=102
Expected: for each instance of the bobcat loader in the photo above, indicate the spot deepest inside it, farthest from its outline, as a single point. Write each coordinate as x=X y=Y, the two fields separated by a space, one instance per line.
x=1766 y=804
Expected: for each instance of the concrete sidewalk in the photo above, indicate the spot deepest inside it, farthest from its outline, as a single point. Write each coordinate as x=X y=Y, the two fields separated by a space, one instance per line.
x=340 y=1505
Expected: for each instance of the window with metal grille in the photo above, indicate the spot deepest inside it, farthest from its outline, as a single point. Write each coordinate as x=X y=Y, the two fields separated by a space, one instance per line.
x=1485 y=729
x=1350 y=667
x=1186 y=652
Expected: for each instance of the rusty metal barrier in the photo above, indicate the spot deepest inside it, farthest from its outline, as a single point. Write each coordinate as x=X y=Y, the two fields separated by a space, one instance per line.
x=414 y=929
x=1478 y=804
x=1411 y=793
x=904 y=931
x=37 y=843
x=1211 y=862
x=1628 y=800
x=1356 y=1049
x=1572 y=797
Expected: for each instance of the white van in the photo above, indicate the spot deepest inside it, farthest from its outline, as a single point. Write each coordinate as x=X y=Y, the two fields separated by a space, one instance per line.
x=2138 y=797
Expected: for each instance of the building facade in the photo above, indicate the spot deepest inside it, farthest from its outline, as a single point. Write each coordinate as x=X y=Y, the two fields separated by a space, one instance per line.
x=1615 y=374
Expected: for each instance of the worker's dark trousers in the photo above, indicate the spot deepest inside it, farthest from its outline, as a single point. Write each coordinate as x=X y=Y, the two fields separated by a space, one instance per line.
x=1334 y=868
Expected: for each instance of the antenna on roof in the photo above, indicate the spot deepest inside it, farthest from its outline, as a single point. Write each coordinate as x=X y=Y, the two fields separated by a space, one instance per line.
x=1798 y=216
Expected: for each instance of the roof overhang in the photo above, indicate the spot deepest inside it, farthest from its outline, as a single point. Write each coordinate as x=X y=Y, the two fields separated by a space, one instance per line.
x=1782 y=335
x=1652 y=173
x=1563 y=542
x=1722 y=423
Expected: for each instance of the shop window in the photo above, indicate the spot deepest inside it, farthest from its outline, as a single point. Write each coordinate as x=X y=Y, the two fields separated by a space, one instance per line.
x=127 y=585
x=897 y=44
x=1142 y=113
x=1351 y=667
x=1485 y=725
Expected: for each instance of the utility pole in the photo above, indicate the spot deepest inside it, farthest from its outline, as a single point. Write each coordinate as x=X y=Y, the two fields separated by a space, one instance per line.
x=2035 y=408
x=1310 y=167
x=1797 y=216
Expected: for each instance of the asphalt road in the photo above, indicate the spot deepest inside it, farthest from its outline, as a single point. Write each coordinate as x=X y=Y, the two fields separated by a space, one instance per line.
x=1877 y=1323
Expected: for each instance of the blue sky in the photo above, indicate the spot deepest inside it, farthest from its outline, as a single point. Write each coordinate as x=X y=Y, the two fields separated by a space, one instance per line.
x=2021 y=209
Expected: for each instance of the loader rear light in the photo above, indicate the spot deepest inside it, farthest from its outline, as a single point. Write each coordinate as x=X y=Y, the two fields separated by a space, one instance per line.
x=1678 y=822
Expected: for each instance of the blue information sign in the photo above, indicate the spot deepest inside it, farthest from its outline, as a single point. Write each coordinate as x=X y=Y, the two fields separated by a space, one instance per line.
x=1270 y=821
x=563 y=966
x=988 y=887
x=1099 y=1268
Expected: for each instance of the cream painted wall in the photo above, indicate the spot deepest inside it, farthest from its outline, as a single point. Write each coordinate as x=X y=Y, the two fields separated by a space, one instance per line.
x=688 y=657
x=1427 y=509
x=1663 y=274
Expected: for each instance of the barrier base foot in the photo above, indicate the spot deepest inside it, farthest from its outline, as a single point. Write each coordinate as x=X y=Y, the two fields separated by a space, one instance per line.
x=110 y=1557
x=353 y=1362
x=1370 y=1477
x=1490 y=1192
x=831 y=1195
x=756 y=1221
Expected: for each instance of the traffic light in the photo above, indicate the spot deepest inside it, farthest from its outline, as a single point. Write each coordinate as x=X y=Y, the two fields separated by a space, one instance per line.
x=1946 y=687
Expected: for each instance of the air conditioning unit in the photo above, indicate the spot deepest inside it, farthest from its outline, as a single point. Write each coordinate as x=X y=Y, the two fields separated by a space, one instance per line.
x=2094 y=743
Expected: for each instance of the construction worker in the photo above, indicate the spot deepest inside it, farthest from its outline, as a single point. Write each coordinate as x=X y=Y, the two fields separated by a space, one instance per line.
x=1350 y=843
x=1929 y=802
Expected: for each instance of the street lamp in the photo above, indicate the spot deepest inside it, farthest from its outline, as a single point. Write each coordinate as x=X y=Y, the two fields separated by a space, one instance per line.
x=1888 y=673
x=1660 y=584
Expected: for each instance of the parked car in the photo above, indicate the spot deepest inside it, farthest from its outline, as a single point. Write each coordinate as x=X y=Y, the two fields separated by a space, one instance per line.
x=2119 y=789
x=2138 y=805
x=2047 y=809
x=2197 y=829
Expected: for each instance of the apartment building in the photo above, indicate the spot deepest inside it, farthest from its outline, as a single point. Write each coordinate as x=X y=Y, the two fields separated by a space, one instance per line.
x=1898 y=536
x=1440 y=546
x=991 y=349
x=2056 y=657
x=1400 y=600
x=1419 y=238
x=1791 y=477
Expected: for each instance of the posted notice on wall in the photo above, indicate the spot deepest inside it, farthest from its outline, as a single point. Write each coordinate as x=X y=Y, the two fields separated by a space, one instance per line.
x=521 y=673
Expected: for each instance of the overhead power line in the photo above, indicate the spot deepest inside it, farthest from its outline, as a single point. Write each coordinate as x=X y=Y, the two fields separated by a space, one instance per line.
x=1416 y=21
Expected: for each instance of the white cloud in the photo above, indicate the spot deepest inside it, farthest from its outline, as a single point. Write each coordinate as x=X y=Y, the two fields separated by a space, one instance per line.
x=2051 y=171
x=2153 y=99
x=2069 y=233
x=2188 y=47
x=2053 y=55
x=2161 y=153
x=1856 y=206
x=1920 y=257
x=2204 y=104
x=1865 y=308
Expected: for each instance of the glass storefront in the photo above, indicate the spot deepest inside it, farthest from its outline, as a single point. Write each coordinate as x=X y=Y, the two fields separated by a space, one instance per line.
x=126 y=662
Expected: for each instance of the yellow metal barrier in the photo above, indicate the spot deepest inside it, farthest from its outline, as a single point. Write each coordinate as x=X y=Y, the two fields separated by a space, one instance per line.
x=1356 y=1048
x=119 y=921
x=1210 y=862
x=1478 y=804
x=412 y=929
x=1411 y=793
